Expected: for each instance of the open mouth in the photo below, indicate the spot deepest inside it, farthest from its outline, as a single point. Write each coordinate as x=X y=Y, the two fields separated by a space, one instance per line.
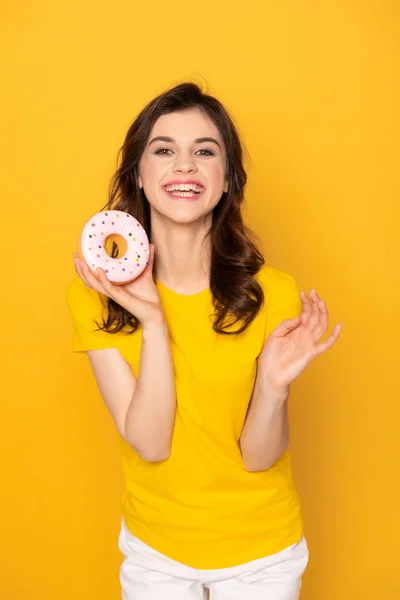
x=184 y=191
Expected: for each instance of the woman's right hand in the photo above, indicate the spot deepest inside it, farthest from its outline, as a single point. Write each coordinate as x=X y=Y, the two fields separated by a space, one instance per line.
x=140 y=296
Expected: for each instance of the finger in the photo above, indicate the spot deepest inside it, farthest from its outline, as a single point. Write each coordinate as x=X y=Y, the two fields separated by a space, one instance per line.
x=91 y=279
x=88 y=277
x=306 y=308
x=151 y=258
x=322 y=325
x=107 y=287
x=78 y=269
x=286 y=325
x=320 y=348
x=315 y=314
x=118 y=293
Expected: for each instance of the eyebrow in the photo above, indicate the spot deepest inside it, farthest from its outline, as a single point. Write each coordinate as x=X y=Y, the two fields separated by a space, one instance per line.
x=164 y=138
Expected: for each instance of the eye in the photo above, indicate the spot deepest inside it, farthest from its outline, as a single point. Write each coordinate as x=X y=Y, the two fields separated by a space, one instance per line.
x=161 y=150
x=206 y=150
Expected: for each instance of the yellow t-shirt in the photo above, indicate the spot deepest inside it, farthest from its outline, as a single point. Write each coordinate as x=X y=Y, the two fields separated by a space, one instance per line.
x=200 y=506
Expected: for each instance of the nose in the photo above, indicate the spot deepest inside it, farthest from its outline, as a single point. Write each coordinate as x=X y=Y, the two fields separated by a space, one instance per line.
x=184 y=163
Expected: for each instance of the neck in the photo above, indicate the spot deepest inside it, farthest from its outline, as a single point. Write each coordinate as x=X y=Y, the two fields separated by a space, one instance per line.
x=182 y=261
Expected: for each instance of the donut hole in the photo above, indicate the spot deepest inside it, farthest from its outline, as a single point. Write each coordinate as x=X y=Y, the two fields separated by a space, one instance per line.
x=115 y=245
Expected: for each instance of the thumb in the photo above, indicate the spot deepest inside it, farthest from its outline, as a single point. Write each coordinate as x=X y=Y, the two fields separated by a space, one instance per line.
x=150 y=262
x=286 y=325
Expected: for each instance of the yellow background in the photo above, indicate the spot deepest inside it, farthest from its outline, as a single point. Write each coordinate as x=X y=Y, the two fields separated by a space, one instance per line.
x=314 y=90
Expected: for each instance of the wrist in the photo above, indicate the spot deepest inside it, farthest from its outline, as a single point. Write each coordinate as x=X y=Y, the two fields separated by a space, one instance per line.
x=156 y=323
x=275 y=392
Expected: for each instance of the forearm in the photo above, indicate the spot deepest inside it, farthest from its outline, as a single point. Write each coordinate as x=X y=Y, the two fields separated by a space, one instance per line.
x=151 y=414
x=265 y=434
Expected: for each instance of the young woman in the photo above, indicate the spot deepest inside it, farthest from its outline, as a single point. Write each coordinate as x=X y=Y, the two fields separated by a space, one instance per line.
x=194 y=360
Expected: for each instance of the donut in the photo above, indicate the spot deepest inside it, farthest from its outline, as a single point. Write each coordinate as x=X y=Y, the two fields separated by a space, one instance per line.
x=123 y=229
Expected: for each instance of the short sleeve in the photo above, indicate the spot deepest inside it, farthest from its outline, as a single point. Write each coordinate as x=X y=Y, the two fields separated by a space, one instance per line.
x=284 y=303
x=86 y=307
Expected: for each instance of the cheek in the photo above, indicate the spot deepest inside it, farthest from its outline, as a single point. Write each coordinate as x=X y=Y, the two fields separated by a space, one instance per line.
x=152 y=172
x=216 y=173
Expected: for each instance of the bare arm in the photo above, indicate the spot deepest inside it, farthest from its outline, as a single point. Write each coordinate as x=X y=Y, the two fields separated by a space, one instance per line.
x=265 y=434
x=143 y=409
x=289 y=349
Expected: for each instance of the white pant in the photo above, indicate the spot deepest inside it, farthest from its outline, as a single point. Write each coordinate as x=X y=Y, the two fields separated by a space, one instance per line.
x=146 y=574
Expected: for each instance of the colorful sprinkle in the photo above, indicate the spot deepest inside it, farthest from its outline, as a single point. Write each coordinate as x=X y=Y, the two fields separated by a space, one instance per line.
x=98 y=255
x=90 y=236
x=129 y=234
x=123 y=269
x=103 y=222
x=93 y=224
x=112 y=223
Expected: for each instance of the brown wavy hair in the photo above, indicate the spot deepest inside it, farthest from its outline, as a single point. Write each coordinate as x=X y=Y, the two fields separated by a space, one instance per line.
x=235 y=258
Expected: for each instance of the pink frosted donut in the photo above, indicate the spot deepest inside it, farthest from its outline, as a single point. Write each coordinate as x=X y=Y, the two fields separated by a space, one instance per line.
x=129 y=235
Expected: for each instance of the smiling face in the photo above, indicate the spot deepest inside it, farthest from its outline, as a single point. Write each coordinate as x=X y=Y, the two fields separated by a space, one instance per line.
x=183 y=174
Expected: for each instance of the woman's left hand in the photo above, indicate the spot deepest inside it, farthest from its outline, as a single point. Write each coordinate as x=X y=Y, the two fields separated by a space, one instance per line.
x=292 y=345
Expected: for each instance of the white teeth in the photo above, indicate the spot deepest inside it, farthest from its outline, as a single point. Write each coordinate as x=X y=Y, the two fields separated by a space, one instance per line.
x=184 y=187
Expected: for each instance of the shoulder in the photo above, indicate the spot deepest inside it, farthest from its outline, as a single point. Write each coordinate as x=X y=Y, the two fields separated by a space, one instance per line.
x=85 y=300
x=281 y=296
x=278 y=285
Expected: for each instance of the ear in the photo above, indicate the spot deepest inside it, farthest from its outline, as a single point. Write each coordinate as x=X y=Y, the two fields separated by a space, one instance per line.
x=140 y=182
x=226 y=186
